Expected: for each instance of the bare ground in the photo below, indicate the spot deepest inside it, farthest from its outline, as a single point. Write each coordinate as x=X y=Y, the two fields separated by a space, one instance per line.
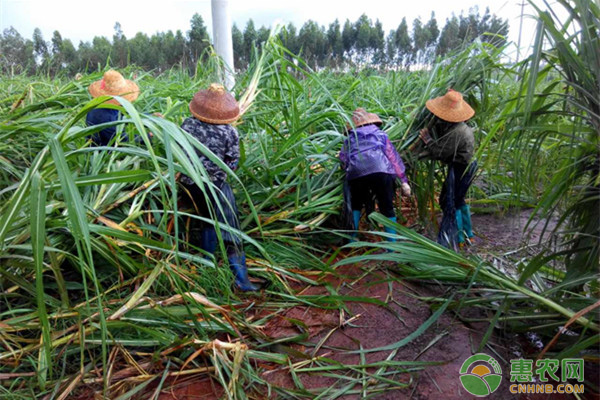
x=335 y=334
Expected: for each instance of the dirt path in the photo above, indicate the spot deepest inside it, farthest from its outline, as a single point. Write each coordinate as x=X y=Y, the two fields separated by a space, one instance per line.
x=504 y=232
x=336 y=334
x=448 y=341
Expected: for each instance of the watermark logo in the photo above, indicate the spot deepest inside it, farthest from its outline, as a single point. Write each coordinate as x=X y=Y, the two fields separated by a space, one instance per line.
x=529 y=376
x=480 y=375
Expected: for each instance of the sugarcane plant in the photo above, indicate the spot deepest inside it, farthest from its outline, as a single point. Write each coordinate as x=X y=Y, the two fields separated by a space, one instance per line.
x=554 y=111
x=101 y=286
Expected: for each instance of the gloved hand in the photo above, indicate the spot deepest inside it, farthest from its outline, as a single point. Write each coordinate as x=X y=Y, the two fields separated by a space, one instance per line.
x=425 y=136
x=406 y=189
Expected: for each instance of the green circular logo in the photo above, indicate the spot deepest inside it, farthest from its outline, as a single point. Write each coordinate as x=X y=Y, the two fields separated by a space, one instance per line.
x=480 y=375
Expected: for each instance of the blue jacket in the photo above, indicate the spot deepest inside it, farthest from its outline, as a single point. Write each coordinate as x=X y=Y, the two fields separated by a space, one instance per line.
x=99 y=116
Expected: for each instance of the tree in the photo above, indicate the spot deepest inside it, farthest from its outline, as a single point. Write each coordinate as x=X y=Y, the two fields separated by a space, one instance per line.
x=101 y=49
x=120 y=53
x=56 y=62
x=468 y=26
x=312 y=41
x=449 y=37
x=139 y=50
x=433 y=33
x=180 y=49
x=421 y=37
x=249 y=40
x=289 y=38
x=461 y=31
x=197 y=38
x=262 y=36
x=363 y=37
x=403 y=44
x=40 y=48
x=377 y=43
x=56 y=42
x=390 y=47
x=361 y=41
x=348 y=39
x=69 y=56
x=170 y=50
x=335 y=43
x=157 y=52
x=64 y=55
x=16 y=53
x=493 y=29
x=237 y=37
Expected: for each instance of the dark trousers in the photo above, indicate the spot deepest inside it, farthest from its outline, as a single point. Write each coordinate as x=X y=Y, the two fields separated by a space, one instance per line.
x=457 y=189
x=380 y=186
x=452 y=197
x=222 y=206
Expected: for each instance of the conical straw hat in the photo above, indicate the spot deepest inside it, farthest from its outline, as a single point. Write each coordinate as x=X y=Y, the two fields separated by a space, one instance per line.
x=215 y=106
x=113 y=84
x=361 y=117
x=450 y=107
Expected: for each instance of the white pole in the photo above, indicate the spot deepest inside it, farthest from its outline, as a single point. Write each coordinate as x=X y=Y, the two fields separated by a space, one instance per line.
x=222 y=38
x=520 y=32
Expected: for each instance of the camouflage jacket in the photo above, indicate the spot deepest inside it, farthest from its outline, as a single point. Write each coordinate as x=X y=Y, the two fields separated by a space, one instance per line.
x=222 y=140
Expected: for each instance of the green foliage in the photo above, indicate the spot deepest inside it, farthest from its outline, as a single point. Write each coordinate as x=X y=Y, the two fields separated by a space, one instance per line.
x=97 y=270
x=555 y=112
x=17 y=53
x=362 y=42
x=517 y=307
x=197 y=37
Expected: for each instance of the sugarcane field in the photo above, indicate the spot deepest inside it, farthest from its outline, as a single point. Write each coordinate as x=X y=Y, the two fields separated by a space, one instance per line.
x=343 y=201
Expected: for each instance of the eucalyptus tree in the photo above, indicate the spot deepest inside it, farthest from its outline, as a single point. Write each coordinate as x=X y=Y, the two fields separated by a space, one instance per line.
x=403 y=44
x=433 y=33
x=198 y=40
x=16 y=52
x=250 y=37
x=335 y=43
x=237 y=39
x=120 y=52
x=40 y=49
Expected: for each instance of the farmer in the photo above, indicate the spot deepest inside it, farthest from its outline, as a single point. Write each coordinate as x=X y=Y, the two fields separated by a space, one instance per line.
x=372 y=165
x=213 y=110
x=450 y=140
x=111 y=84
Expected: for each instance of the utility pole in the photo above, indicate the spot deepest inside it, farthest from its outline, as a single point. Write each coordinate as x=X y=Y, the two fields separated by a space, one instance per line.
x=221 y=22
x=520 y=32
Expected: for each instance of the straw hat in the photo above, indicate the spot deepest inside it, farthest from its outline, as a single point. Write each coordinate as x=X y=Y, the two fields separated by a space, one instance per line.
x=113 y=84
x=361 y=117
x=450 y=107
x=215 y=105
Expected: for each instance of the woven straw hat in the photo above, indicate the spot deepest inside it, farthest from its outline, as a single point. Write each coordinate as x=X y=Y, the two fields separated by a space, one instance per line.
x=113 y=84
x=215 y=105
x=450 y=107
x=361 y=117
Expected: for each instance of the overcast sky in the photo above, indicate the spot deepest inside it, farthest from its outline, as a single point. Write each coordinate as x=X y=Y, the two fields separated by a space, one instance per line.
x=82 y=20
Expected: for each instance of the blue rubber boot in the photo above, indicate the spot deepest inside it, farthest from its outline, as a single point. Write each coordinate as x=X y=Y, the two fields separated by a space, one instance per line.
x=459 y=227
x=391 y=230
x=237 y=263
x=208 y=240
x=466 y=220
x=356 y=219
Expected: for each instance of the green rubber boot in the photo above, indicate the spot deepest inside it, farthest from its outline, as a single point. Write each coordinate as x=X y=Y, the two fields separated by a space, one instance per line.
x=465 y=212
x=459 y=227
x=391 y=230
x=356 y=219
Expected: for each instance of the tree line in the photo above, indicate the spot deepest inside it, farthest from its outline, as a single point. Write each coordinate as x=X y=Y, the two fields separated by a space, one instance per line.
x=362 y=42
